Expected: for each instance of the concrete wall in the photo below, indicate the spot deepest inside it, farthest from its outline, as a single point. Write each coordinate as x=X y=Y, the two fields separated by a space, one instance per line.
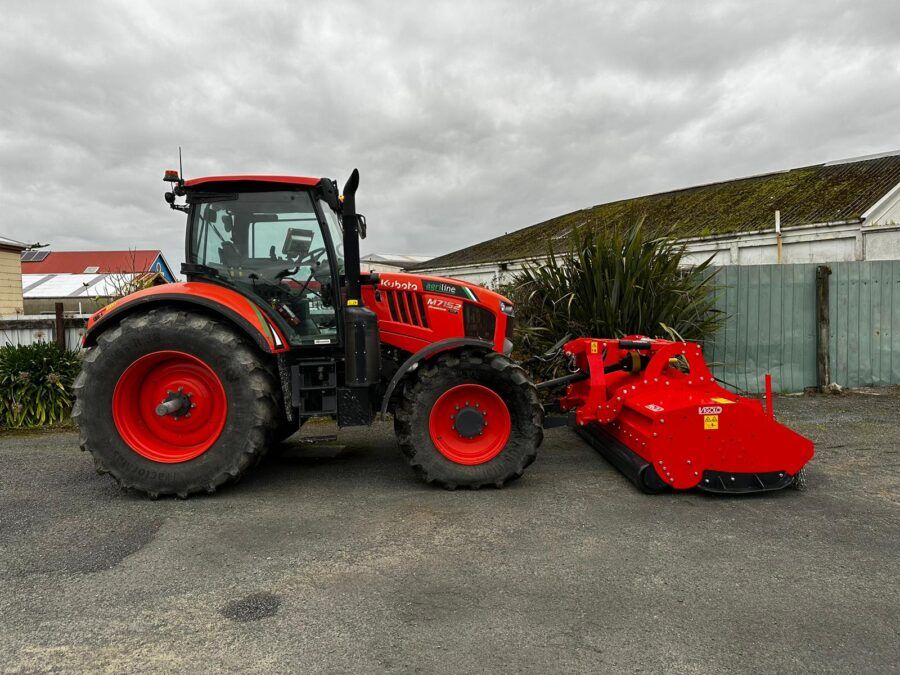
x=842 y=242
x=26 y=330
x=76 y=305
x=10 y=282
x=882 y=245
x=378 y=267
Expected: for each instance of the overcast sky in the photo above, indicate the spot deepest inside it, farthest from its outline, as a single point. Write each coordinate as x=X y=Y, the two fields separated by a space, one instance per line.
x=466 y=119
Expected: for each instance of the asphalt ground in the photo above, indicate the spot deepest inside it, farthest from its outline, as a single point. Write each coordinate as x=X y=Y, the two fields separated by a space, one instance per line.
x=332 y=558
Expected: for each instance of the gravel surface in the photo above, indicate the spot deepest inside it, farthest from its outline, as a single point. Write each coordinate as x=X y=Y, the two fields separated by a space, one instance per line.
x=335 y=558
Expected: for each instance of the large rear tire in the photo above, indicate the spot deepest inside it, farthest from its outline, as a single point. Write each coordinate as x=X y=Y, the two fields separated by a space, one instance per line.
x=227 y=397
x=469 y=419
x=284 y=428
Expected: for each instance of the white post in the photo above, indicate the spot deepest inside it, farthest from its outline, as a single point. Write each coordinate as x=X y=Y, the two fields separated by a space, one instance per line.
x=778 y=235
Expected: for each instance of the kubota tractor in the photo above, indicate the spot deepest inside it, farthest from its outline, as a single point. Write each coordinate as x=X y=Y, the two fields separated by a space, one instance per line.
x=185 y=385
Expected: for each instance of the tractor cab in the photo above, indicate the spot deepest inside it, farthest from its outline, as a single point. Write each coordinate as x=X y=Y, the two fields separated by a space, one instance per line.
x=277 y=240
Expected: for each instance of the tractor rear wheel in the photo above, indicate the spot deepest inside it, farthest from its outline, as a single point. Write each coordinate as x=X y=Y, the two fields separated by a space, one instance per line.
x=172 y=403
x=469 y=419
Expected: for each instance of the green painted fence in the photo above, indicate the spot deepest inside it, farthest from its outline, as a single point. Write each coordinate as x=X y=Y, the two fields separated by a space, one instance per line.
x=865 y=323
x=770 y=326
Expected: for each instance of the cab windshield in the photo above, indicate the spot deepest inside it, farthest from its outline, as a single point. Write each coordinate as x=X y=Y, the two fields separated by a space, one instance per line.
x=272 y=244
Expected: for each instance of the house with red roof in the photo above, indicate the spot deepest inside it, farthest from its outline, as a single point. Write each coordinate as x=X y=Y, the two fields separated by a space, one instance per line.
x=39 y=261
x=84 y=281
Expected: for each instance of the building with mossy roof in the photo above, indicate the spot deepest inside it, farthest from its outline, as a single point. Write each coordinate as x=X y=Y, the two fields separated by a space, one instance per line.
x=838 y=211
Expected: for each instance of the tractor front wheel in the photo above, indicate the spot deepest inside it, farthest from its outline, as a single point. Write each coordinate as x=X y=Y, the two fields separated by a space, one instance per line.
x=469 y=419
x=172 y=403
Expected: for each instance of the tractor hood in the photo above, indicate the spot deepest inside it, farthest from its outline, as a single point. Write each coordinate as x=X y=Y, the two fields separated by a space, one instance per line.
x=415 y=311
x=446 y=286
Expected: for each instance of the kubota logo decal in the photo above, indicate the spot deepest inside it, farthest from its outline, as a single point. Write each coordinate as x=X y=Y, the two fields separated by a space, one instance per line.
x=709 y=410
x=398 y=285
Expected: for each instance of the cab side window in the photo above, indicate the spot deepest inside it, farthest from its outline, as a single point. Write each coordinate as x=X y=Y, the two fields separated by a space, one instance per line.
x=214 y=244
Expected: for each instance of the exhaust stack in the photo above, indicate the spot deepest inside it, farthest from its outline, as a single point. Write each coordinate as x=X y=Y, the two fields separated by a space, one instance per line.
x=351 y=240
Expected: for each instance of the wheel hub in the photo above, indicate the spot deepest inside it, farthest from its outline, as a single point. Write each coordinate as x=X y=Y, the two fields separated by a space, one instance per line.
x=470 y=422
x=177 y=404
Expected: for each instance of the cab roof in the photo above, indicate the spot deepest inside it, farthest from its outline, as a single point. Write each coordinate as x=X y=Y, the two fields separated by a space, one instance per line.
x=284 y=180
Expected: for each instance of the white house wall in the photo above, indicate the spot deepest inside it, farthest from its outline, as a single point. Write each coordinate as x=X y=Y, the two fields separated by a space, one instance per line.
x=890 y=215
x=882 y=229
x=842 y=242
x=808 y=244
x=886 y=211
x=378 y=267
x=883 y=244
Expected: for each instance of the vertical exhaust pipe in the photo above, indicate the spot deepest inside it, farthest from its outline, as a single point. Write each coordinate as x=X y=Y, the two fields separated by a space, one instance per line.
x=351 y=240
x=362 y=348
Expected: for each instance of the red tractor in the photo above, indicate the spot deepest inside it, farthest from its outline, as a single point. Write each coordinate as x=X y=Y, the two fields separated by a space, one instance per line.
x=185 y=386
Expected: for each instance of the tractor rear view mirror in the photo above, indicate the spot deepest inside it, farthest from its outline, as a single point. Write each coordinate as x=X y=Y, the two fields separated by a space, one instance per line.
x=297 y=243
x=360 y=224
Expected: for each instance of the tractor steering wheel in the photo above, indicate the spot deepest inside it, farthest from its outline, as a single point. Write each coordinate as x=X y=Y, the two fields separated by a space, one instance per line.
x=311 y=256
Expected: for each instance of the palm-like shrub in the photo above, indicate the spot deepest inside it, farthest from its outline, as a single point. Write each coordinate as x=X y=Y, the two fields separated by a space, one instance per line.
x=36 y=384
x=612 y=282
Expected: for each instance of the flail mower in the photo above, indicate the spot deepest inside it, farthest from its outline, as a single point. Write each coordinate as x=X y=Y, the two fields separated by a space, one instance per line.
x=185 y=386
x=655 y=411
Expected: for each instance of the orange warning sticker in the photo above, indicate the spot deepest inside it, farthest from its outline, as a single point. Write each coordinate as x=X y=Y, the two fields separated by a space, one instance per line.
x=711 y=422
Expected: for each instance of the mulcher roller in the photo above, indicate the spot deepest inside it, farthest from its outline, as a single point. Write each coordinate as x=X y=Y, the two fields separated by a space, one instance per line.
x=654 y=410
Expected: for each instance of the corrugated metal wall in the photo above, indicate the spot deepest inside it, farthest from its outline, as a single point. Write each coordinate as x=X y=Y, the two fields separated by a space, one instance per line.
x=771 y=327
x=865 y=323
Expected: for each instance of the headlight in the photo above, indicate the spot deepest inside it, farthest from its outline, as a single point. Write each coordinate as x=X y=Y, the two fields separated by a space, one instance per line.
x=478 y=322
x=507 y=308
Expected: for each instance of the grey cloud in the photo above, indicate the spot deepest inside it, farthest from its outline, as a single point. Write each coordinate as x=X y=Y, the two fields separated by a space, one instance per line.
x=466 y=119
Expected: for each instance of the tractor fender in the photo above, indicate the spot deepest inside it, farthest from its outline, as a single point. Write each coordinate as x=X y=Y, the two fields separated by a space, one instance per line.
x=217 y=300
x=425 y=353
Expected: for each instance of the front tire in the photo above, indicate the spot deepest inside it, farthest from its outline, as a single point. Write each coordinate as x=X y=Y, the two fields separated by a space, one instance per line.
x=469 y=419
x=226 y=394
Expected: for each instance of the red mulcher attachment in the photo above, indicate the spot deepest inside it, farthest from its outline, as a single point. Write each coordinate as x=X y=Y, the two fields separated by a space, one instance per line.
x=654 y=410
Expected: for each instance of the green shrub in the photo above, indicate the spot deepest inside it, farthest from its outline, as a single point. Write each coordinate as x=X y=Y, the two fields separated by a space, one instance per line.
x=613 y=282
x=36 y=384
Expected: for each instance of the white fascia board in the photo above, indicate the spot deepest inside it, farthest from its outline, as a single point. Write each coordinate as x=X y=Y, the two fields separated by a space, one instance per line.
x=882 y=204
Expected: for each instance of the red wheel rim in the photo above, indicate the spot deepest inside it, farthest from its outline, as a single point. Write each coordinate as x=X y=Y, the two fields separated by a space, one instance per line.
x=177 y=437
x=469 y=424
